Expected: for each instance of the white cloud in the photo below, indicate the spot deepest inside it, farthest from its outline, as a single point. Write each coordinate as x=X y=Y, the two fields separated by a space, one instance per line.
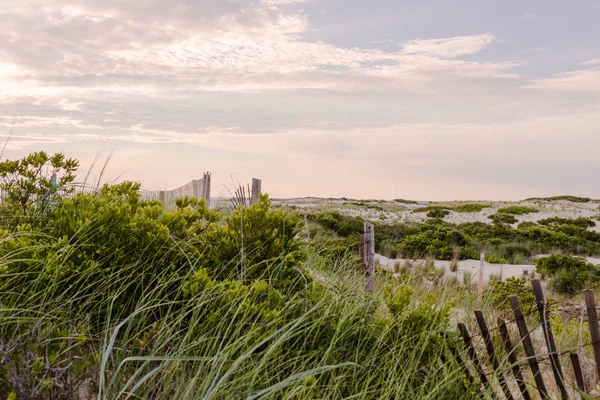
x=449 y=47
x=587 y=80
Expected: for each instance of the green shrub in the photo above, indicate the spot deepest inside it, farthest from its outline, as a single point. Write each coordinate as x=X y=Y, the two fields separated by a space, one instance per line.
x=437 y=213
x=498 y=292
x=556 y=262
x=430 y=208
x=435 y=239
x=518 y=210
x=493 y=259
x=341 y=224
x=32 y=185
x=406 y=201
x=558 y=221
x=503 y=218
x=571 y=282
x=573 y=199
x=568 y=274
x=473 y=207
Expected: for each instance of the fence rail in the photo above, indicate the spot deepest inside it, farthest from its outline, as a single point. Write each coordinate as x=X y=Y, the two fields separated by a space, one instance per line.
x=511 y=365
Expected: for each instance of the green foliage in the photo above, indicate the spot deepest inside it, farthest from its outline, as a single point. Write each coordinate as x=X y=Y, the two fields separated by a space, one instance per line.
x=32 y=184
x=251 y=239
x=503 y=218
x=556 y=262
x=518 y=210
x=472 y=207
x=573 y=199
x=339 y=223
x=558 y=221
x=439 y=213
x=436 y=239
x=430 y=208
x=498 y=292
x=568 y=274
x=493 y=259
x=406 y=201
x=114 y=296
x=416 y=323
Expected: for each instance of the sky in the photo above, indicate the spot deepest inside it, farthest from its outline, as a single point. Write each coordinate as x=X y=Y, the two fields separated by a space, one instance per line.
x=379 y=99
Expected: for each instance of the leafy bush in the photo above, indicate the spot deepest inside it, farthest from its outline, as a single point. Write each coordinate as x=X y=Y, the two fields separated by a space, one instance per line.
x=503 y=218
x=518 y=210
x=493 y=259
x=568 y=274
x=430 y=208
x=498 y=292
x=437 y=213
x=113 y=296
x=32 y=184
x=556 y=262
x=339 y=223
x=473 y=207
x=558 y=221
x=406 y=201
x=573 y=199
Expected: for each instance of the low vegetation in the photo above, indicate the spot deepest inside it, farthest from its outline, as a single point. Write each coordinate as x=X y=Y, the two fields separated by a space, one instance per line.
x=568 y=274
x=463 y=208
x=437 y=213
x=443 y=240
x=574 y=199
x=503 y=218
x=105 y=295
x=518 y=210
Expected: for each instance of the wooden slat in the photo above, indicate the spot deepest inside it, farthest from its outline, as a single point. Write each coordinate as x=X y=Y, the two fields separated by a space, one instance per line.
x=512 y=359
x=590 y=303
x=549 y=337
x=578 y=372
x=528 y=346
x=363 y=263
x=370 y=257
x=489 y=346
x=473 y=356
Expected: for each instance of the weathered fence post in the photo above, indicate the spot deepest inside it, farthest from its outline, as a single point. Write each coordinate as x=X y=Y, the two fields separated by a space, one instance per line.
x=489 y=346
x=480 y=285
x=528 y=346
x=363 y=255
x=590 y=303
x=578 y=371
x=550 y=343
x=369 y=257
x=512 y=359
x=206 y=188
x=473 y=355
x=256 y=189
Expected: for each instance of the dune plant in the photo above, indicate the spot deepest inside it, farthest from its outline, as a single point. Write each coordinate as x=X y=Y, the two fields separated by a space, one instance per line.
x=115 y=297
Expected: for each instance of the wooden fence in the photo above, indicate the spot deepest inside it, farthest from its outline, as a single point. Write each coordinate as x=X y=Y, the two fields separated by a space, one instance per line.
x=493 y=376
x=503 y=377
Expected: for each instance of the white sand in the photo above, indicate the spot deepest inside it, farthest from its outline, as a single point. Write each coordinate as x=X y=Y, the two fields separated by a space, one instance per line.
x=470 y=266
x=401 y=212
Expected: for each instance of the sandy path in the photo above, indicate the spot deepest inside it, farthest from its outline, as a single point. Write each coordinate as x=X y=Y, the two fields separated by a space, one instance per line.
x=469 y=266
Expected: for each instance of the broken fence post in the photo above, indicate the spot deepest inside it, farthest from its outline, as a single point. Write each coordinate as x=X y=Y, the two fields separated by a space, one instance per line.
x=369 y=257
x=256 y=190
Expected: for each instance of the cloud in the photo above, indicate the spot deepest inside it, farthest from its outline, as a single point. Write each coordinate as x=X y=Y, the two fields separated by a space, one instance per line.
x=244 y=85
x=583 y=81
x=449 y=47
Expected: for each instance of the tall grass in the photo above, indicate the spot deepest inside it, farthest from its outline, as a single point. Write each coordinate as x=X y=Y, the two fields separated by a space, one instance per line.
x=142 y=321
